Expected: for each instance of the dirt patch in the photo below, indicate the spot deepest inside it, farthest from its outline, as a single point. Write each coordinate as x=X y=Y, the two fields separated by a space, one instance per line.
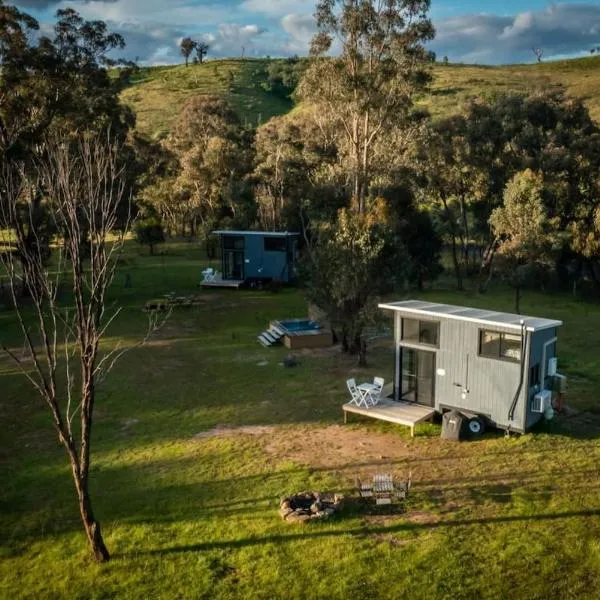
x=226 y=431
x=337 y=447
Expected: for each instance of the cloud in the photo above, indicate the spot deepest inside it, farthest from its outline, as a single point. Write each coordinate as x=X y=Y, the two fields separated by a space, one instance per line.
x=277 y=8
x=41 y=4
x=230 y=38
x=559 y=30
x=152 y=28
x=300 y=29
x=150 y=43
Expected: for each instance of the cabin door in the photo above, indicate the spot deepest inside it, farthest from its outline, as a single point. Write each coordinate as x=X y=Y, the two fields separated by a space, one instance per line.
x=417 y=378
x=233 y=258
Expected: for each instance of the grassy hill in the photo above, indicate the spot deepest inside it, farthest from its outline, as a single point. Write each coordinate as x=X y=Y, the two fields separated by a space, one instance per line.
x=156 y=94
x=456 y=83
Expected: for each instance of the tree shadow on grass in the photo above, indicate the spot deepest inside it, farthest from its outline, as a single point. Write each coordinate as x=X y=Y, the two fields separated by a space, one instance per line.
x=360 y=531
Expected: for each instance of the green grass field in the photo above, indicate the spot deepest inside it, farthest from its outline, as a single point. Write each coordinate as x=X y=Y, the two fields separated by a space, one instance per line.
x=191 y=514
x=157 y=94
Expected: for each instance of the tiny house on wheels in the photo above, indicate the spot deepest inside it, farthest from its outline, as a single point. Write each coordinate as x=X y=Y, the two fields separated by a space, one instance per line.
x=495 y=368
x=254 y=257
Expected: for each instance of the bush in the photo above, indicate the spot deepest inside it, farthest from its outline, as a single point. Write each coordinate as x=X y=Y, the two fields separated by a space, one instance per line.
x=150 y=232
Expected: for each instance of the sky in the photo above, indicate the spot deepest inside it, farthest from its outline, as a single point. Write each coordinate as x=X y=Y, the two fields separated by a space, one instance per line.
x=470 y=31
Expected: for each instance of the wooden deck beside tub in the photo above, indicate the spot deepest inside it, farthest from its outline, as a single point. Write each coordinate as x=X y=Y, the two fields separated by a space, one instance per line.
x=402 y=413
x=222 y=283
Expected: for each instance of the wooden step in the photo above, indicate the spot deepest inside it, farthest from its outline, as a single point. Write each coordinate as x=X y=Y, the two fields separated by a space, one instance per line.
x=268 y=336
x=277 y=330
x=264 y=341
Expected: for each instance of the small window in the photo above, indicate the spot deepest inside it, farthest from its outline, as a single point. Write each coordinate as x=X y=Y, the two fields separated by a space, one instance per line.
x=504 y=346
x=233 y=242
x=534 y=376
x=421 y=332
x=275 y=244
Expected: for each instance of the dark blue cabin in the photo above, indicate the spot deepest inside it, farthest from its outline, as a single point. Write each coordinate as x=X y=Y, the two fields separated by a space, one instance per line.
x=258 y=256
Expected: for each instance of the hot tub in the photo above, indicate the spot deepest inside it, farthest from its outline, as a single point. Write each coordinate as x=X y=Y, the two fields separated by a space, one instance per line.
x=303 y=333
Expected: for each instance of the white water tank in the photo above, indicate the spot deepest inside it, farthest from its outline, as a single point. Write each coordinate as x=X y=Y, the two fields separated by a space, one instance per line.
x=552 y=366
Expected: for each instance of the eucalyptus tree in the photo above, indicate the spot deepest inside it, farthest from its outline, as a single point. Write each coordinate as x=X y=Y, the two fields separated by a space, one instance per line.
x=62 y=357
x=528 y=239
x=208 y=159
x=367 y=84
x=296 y=173
x=202 y=49
x=187 y=46
x=50 y=83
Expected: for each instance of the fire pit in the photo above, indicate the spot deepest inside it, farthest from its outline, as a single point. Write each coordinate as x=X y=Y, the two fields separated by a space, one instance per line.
x=309 y=506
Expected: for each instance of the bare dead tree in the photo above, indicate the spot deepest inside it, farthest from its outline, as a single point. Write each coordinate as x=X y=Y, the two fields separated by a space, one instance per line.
x=539 y=53
x=85 y=189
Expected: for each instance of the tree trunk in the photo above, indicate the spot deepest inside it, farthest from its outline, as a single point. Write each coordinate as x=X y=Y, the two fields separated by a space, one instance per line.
x=362 y=353
x=92 y=527
x=345 y=344
x=456 y=262
x=465 y=222
x=518 y=299
x=487 y=263
x=151 y=249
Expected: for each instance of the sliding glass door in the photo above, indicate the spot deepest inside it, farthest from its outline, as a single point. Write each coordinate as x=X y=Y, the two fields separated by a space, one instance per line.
x=417 y=378
x=233 y=257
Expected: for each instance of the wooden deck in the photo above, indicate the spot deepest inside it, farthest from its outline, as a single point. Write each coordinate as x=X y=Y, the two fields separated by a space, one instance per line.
x=402 y=413
x=222 y=283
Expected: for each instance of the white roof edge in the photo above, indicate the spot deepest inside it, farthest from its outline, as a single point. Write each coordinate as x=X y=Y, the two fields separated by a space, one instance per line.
x=239 y=232
x=550 y=324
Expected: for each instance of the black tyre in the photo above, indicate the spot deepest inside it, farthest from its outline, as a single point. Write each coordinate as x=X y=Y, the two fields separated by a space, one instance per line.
x=476 y=427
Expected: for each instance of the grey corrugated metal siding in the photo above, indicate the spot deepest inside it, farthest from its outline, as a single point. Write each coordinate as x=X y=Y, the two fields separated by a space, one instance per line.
x=492 y=383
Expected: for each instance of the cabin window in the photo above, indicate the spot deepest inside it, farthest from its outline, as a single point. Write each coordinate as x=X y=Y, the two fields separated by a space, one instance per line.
x=503 y=346
x=275 y=244
x=231 y=242
x=421 y=332
x=534 y=376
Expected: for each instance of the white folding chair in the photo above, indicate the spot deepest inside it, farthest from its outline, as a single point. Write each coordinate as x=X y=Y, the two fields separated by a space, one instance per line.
x=357 y=397
x=379 y=382
x=375 y=396
x=208 y=274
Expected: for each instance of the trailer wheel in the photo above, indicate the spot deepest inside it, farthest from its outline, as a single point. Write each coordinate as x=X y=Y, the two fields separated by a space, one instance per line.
x=476 y=426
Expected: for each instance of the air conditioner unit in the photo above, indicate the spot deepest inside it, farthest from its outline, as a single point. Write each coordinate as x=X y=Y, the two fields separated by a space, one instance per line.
x=541 y=401
x=552 y=366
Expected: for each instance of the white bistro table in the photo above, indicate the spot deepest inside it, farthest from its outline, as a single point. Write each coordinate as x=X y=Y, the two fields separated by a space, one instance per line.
x=369 y=393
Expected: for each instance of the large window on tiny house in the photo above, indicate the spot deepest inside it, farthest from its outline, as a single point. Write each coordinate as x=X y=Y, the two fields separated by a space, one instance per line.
x=275 y=244
x=421 y=332
x=499 y=345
